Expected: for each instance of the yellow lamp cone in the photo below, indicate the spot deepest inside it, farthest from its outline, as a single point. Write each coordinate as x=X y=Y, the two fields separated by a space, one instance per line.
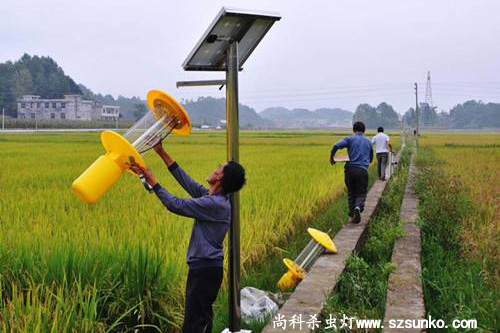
x=97 y=179
x=107 y=169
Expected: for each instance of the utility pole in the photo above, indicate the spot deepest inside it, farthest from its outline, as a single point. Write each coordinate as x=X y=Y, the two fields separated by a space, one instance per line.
x=3 y=119
x=417 y=110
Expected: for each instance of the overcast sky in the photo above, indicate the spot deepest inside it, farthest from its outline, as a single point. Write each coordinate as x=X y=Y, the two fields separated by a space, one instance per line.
x=321 y=54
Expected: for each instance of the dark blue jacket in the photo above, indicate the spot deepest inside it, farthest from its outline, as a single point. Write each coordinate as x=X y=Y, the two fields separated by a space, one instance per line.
x=211 y=214
x=359 y=148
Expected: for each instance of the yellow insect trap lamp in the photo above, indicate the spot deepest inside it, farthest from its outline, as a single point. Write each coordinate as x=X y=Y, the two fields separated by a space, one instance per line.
x=166 y=116
x=297 y=269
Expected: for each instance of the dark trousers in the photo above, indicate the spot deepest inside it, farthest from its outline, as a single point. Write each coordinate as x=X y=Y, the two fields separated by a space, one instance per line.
x=201 y=291
x=382 y=164
x=356 y=180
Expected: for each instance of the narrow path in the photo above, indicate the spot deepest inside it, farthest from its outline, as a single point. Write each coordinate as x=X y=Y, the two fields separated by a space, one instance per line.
x=311 y=294
x=405 y=298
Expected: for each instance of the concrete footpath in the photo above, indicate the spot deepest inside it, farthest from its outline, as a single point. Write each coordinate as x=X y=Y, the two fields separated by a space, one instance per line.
x=405 y=299
x=311 y=294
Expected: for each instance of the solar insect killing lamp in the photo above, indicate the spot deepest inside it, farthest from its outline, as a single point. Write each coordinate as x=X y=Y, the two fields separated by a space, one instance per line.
x=297 y=269
x=166 y=116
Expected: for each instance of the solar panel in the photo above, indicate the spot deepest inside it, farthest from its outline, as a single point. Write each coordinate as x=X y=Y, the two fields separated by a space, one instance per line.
x=247 y=28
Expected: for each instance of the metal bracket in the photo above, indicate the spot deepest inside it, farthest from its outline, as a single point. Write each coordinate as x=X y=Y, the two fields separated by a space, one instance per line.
x=200 y=83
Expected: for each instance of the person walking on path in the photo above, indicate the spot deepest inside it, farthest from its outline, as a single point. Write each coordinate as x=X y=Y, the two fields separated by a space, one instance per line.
x=211 y=210
x=382 y=148
x=360 y=151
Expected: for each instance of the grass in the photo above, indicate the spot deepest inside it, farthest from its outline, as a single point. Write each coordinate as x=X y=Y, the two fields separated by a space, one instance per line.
x=457 y=285
x=361 y=289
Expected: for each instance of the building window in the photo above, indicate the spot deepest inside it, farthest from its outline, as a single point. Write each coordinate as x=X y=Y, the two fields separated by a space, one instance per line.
x=54 y=105
x=52 y=116
x=63 y=105
x=63 y=115
x=46 y=105
x=23 y=105
x=33 y=115
x=38 y=104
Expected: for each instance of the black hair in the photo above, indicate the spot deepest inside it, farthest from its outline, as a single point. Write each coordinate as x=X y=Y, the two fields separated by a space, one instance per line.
x=234 y=177
x=380 y=129
x=358 y=127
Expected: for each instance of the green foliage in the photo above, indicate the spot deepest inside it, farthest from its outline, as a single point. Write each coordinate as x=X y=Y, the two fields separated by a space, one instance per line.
x=469 y=115
x=140 y=110
x=383 y=115
x=454 y=286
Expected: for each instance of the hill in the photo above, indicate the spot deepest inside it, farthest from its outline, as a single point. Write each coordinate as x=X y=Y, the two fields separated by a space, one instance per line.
x=303 y=118
x=212 y=112
x=32 y=76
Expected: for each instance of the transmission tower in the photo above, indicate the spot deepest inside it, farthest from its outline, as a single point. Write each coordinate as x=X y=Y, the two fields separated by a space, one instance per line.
x=428 y=90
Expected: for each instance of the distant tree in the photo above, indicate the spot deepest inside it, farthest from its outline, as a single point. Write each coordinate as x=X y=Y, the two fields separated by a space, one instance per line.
x=428 y=115
x=22 y=82
x=410 y=118
x=367 y=114
x=140 y=110
x=475 y=114
x=387 y=117
x=383 y=115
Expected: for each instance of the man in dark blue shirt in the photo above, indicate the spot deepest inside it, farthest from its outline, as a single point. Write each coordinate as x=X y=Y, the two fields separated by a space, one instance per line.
x=360 y=152
x=211 y=210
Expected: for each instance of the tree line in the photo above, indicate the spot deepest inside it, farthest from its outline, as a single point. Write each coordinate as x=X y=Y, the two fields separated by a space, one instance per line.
x=34 y=75
x=469 y=115
x=373 y=117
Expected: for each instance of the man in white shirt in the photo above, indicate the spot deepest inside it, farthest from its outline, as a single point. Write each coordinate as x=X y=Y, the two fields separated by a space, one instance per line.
x=382 y=148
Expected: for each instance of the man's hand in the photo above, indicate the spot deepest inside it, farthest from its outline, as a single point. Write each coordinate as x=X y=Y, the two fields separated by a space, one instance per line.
x=332 y=160
x=144 y=171
x=158 y=148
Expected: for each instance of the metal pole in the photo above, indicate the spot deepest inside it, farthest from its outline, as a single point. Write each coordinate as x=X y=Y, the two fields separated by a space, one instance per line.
x=233 y=154
x=3 y=118
x=417 y=110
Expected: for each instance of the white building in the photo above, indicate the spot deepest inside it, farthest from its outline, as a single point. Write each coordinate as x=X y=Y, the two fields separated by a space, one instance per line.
x=110 y=112
x=71 y=107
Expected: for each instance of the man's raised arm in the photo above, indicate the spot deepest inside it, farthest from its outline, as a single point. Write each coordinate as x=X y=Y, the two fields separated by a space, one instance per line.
x=193 y=188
